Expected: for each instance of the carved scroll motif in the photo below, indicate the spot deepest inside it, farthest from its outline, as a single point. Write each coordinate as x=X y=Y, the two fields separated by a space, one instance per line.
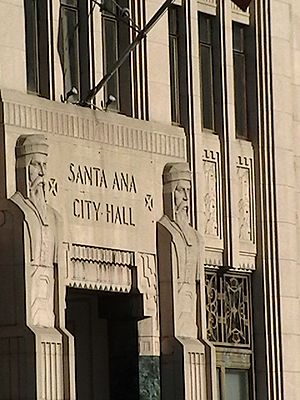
x=212 y=194
x=245 y=202
x=228 y=308
x=212 y=307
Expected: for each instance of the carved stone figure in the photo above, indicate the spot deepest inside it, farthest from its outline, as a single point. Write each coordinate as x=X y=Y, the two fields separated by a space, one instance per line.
x=42 y=224
x=185 y=243
x=180 y=265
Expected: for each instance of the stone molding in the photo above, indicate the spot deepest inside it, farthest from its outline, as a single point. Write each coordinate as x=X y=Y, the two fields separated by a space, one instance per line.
x=107 y=128
x=148 y=286
x=207 y=6
x=239 y=15
x=51 y=358
x=99 y=268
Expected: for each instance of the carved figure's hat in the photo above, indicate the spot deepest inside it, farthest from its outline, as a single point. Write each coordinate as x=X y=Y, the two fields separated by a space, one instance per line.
x=176 y=171
x=31 y=144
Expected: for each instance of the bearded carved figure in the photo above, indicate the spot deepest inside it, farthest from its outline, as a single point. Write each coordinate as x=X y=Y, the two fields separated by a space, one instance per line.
x=41 y=222
x=184 y=246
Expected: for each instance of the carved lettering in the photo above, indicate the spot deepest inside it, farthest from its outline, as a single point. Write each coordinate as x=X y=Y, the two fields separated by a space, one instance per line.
x=71 y=177
x=86 y=175
x=124 y=182
x=119 y=215
x=91 y=210
x=86 y=209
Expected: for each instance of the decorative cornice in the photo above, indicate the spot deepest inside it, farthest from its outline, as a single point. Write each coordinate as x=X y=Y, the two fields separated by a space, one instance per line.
x=97 y=126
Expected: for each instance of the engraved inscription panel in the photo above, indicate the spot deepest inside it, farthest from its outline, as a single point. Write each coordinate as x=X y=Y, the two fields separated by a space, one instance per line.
x=108 y=197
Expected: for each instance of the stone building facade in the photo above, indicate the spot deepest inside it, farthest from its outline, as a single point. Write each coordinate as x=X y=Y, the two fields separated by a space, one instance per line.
x=148 y=230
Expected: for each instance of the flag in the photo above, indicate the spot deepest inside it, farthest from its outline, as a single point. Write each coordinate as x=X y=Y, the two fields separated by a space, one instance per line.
x=242 y=4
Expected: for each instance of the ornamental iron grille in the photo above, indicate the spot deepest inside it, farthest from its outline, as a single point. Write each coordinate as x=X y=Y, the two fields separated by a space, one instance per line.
x=228 y=308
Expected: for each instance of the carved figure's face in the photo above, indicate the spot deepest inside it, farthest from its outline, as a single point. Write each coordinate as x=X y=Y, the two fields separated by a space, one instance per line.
x=37 y=170
x=182 y=197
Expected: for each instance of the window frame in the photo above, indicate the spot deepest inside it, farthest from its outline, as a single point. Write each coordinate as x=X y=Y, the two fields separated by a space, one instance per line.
x=37 y=50
x=247 y=52
x=229 y=360
x=122 y=76
x=240 y=80
x=79 y=77
x=212 y=44
x=174 y=49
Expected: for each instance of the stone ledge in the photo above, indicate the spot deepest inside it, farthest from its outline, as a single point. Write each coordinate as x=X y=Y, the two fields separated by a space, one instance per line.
x=37 y=114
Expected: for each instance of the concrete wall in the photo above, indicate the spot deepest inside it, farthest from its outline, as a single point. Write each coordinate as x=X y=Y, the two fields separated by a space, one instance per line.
x=285 y=22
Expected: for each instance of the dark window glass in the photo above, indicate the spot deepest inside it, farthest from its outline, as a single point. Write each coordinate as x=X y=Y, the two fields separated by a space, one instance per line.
x=116 y=37
x=209 y=72
x=174 y=64
x=111 y=56
x=74 y=48
x=70 y=52
x=207 y=93
x=37 y=55
x=236 y=384
x=240 y=80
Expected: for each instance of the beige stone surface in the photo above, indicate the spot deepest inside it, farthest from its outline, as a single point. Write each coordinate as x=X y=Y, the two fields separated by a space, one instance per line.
x=104 y=177
x=12 y=45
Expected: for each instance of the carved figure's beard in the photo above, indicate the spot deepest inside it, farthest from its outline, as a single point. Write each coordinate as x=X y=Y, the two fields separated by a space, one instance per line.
x=37 y=196
x=183 y=221
x=182 y=214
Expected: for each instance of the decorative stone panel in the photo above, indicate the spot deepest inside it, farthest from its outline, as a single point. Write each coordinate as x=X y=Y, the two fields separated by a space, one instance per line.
x=246 y=213
x=99 y=268
x=148 y=286
x=212 y=199
x=212 y=195
x=245 y=199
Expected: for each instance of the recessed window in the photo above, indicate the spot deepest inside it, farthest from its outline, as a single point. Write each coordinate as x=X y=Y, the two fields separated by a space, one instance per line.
x=115 y=40
x=210 y=72
x=74 y=48
x=37 y=52
x=240 y=80
x=174 y=64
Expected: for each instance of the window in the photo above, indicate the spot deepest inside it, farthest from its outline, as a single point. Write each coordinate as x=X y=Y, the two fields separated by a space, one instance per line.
x=240 y=80
x=233 y=381
x=37 y=54
x=245 y=85
x=236 y=384
x=74 y=48
x=174 y=64
x=178 y=66
x=115 y=40
x=228 y=317
x=210 y=72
